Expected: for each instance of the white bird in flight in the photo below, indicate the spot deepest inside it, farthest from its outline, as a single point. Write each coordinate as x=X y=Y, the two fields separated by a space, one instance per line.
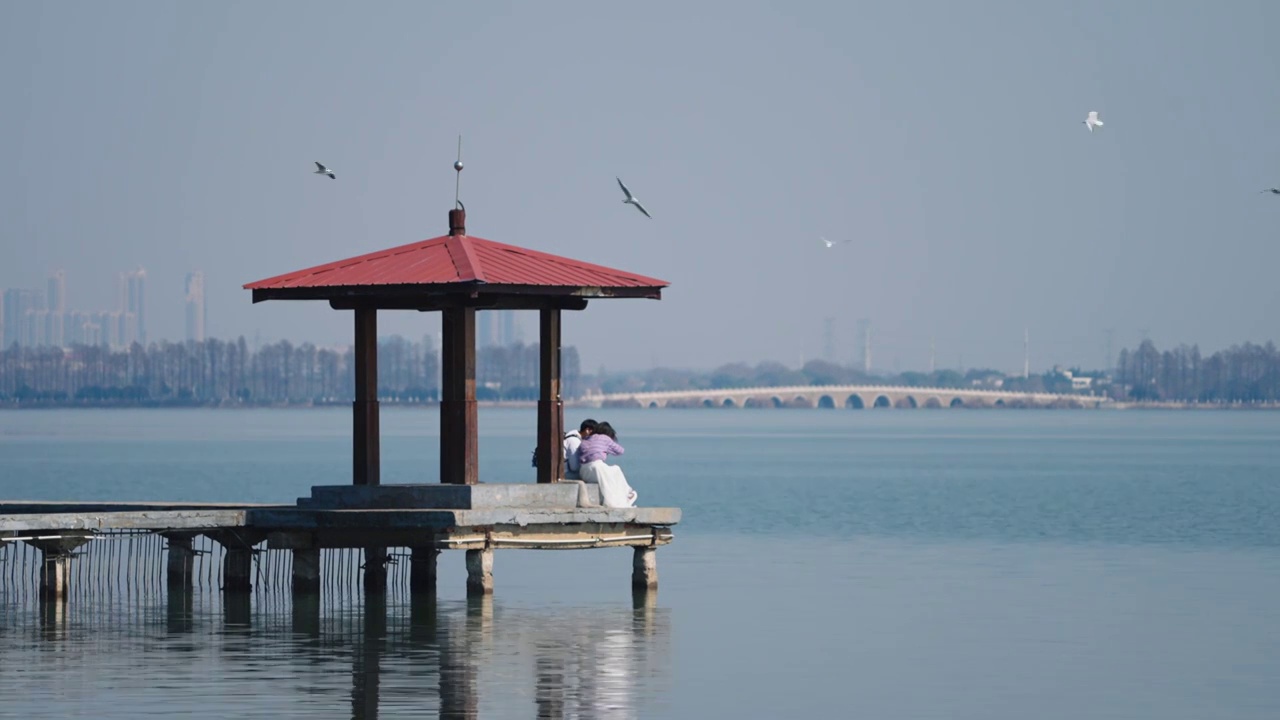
x=631 y=199
x=322 y=170
x=1092 y=121
x=831 y=243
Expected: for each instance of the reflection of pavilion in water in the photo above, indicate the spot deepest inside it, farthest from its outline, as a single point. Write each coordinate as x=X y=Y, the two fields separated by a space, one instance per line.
x=409 y=656
x=587 y=662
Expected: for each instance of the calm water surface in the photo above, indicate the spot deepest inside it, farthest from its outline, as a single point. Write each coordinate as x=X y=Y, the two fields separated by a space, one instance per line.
x=949 y=564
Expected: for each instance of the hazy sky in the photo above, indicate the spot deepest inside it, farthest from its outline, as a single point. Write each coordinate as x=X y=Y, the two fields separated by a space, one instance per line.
x=942 y=138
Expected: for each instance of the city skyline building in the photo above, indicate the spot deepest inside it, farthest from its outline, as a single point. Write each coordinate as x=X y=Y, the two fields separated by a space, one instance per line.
x=132 y=290
x=196 y=312
x=20 y=304
x=497 y=328
x=36 y=318
x=56 y=309
x=509 y=328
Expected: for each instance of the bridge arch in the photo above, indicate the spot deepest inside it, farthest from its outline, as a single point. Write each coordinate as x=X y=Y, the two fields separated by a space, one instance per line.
x=882 y=401
x=906 y=402
x=957 y=402
x=854 y=402
x=801 y=401
x=728 y=402
x=826 y=403
x=708 y=402
x=933 y=402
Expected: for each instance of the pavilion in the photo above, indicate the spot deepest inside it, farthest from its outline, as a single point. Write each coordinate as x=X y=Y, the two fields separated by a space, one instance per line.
x=457 y=274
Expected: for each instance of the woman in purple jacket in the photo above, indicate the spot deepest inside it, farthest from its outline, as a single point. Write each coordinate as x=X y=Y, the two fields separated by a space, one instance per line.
x=614 y=490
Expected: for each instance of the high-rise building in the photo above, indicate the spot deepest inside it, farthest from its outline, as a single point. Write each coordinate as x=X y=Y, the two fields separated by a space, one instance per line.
x=133 y=302
x=196 y=313
x=56 y=303
x=485 y=335
x=509 y=328
x=56 y=299
x=864 y=335
x=20 y=307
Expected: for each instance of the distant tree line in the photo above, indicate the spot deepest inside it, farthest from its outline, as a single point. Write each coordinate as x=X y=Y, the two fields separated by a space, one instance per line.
x=217 y=372
x=1240 y=374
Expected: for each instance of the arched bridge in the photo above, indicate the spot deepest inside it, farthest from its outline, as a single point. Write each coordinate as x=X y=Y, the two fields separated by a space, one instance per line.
x=844 y=396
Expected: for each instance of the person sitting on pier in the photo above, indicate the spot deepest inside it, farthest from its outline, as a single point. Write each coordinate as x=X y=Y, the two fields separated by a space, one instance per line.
x=614 y=490
x=572 y=440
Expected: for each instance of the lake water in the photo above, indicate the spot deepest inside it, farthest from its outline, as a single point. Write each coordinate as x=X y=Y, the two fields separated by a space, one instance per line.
x=916 y=564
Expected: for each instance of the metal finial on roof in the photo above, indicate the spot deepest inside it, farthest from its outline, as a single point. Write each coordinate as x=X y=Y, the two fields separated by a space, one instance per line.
x=457 y=166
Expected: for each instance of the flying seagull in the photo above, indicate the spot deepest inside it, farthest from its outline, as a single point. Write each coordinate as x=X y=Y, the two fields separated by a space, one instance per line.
x=631 y=199
x=831 y=243
x=1273 y=191
x=1092 y=121
x=322 y=170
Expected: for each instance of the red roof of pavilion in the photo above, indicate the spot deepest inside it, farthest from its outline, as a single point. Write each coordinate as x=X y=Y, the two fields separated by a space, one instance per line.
x=455 y=259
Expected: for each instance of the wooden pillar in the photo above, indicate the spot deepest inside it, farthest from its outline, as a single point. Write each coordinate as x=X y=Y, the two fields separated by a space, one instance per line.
x=644 y=568
x=366 y=670
x=459 y=447
x=422 y=570
x=550 y=407
x=306 y=571
x=479 y=572
x=365 y=446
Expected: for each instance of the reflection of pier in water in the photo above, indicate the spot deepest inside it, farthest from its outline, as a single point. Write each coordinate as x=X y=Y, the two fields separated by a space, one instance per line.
x=394 y=655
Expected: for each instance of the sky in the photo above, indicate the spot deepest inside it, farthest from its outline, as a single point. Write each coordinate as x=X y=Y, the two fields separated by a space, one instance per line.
x=943 y=141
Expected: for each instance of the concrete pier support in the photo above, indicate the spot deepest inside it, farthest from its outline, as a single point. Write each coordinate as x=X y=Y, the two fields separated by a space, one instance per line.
x=644 y=568
x=422 y=570
x=55 y=564
x=237 y=564
x=306 y=571
x=375 y=571
x=55 y=573
x=306 y=614
x=237 y=570
x=480 y=572
x=179 y=610
x=180 y=571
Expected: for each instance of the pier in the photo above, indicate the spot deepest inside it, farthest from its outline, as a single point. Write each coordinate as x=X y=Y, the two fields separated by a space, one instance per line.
x=360 y=533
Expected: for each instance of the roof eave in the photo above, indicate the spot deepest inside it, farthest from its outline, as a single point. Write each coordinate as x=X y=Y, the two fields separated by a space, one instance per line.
x=427 y=293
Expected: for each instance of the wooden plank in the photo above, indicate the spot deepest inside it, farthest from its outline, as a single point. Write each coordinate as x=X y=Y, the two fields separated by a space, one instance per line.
x=366 y=451
x=550 y=406
x=459 y=447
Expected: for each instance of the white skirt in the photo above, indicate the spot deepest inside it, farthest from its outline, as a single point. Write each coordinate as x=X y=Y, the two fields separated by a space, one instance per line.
x=614 y=490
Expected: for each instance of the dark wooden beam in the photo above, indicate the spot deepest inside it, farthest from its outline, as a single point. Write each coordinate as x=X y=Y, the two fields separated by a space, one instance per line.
x=481 y=302
x=459 y=448
x=550 y=406
x=366 y=457
x=378 y=294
